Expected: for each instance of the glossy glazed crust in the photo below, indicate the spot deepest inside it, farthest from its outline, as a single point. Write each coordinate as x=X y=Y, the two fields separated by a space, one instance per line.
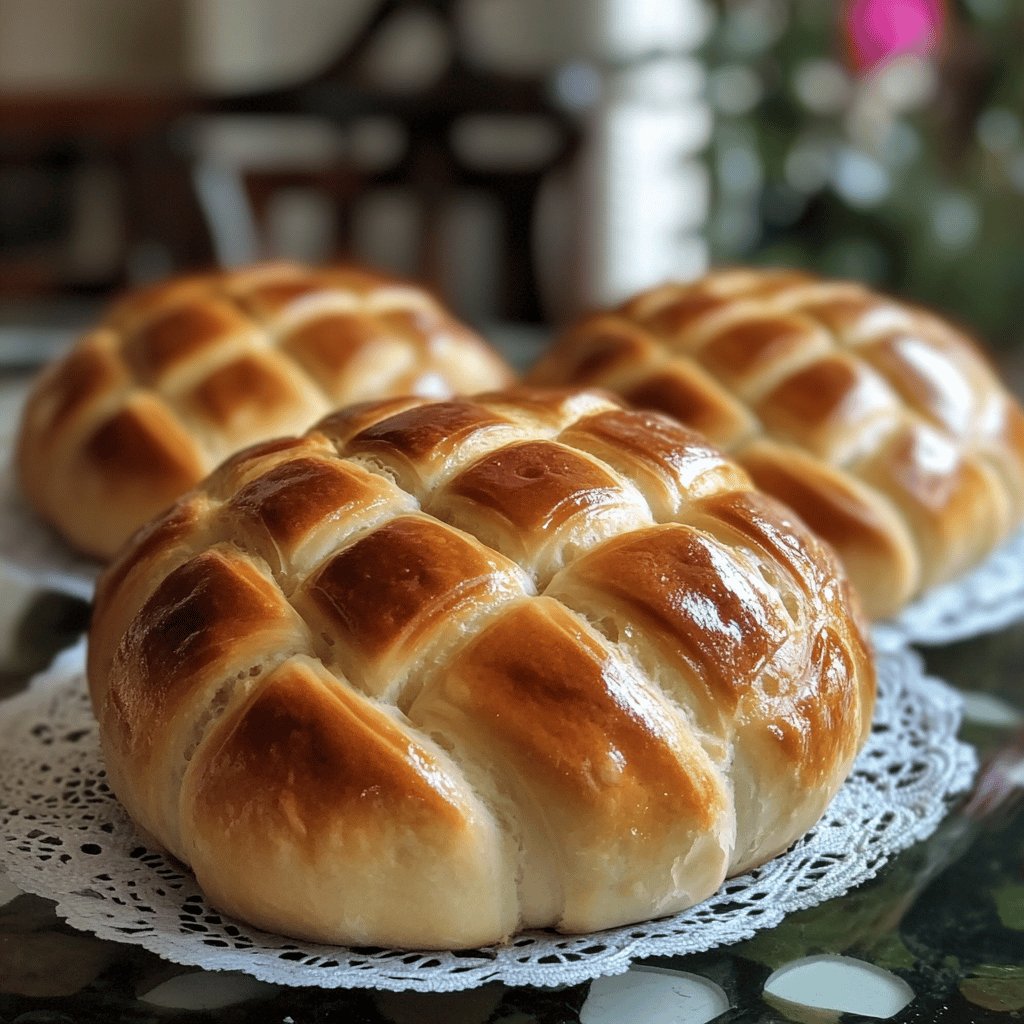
x=438 y=671
x=880 y=424
x=178 y=376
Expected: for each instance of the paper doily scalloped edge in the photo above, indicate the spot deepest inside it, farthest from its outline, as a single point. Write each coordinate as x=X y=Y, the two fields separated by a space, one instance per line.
x=919 y=715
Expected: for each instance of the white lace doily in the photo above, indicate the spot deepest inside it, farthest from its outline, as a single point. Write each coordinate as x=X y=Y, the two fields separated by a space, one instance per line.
x=64 y=836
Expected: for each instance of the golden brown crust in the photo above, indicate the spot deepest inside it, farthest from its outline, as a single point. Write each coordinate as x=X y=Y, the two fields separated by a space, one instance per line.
x=314 y=783
x=883 y=426
x=177 y=657
x=180 y=375
x=695 y=602
x=690 y=395
x=595 y=760
x=534 y=485
x=437 y=671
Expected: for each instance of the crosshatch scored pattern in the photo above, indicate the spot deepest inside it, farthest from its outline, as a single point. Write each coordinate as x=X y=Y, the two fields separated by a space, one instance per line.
x=883 y=426
x=66 y=837
x=178 y=376
x=571 y=638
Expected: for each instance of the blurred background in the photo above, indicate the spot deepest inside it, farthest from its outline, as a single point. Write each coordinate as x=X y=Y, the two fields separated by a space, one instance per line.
x=525 y=158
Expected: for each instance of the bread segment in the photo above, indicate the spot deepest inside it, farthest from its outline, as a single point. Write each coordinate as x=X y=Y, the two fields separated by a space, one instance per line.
x=618 y=812
x=384 y=604
x=295 y=513
x=425 y=443
x=671 y=465
x=857 y=519
x=346 y=821
x=539 y=503
x=689 y=605
x=178 y=664
x=436 y=672
x=181 y=342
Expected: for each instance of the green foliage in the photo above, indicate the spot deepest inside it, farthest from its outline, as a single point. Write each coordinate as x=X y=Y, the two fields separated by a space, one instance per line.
x=910 y=178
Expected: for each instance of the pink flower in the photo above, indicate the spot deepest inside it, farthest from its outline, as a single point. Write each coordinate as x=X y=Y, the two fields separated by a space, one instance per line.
x=878 y=30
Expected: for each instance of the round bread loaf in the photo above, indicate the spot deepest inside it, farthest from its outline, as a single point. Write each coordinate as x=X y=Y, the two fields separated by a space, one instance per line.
x=439 y=671
x=881 y=425
x=180 y=375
